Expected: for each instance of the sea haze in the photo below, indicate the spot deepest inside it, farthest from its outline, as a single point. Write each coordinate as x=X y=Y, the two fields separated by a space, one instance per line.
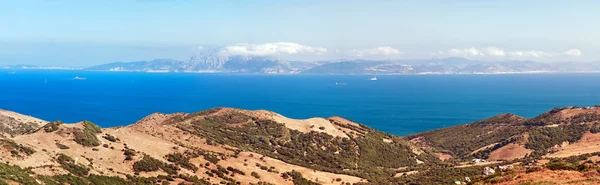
x=399 y=105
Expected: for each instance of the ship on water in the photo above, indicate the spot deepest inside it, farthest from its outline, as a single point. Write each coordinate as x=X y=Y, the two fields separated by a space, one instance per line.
x=79 y=78
x=374 y=78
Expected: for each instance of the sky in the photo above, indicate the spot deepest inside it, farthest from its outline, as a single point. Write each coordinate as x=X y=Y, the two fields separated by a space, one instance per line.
x=84 y=33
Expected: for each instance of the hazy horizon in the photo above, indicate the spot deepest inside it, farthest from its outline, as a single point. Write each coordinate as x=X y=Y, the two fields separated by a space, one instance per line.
x=80 y=34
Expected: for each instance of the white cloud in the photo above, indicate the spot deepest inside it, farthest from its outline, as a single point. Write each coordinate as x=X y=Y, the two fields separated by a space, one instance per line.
x=378 y=51
x=573 y=52
x=270 y=49
x=493 y=51
x=534 y=54
x=200 y=48
x=468 y=52
x=497 y=52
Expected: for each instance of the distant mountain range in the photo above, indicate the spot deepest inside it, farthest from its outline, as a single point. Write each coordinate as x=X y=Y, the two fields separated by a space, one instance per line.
x=212 y=64
x=27 y=66
x=267 y=65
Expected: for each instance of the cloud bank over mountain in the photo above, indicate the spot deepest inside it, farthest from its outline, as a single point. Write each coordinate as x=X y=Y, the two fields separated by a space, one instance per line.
x=270 y=49
x=495 y=52
x=298 y=51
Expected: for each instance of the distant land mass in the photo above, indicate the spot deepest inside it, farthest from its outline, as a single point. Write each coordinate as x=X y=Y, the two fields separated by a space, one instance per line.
x=29 y=66
x=260 y=147
x=266 y=65
x=269 y=65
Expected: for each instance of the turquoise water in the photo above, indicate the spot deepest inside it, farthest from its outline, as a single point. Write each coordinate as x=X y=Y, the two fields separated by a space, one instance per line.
x=395 y=104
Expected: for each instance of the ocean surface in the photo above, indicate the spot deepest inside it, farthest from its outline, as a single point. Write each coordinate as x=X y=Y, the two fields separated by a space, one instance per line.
x=399 y=105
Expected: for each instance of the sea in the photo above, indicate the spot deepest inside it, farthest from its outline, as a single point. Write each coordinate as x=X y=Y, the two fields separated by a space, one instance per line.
x=396 y=104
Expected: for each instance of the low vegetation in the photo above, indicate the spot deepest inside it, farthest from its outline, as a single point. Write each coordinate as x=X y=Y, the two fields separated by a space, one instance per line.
x=16 y=174
x=69 y=164
x=149 y=164
x=52 y=126
x=542 y=139
x=182 y=161
x=298 y=179
x=462 y=140
x=87 y=135
x=61 y=146
x=110 y=138
x=17 y=150
x=316 y=150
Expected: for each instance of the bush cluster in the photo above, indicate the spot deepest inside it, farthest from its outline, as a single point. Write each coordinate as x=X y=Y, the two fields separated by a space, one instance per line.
x=87 y=136
x=52 y=126
x=150 y=164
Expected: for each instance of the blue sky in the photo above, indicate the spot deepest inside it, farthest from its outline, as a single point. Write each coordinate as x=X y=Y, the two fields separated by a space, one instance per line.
x=83 y=33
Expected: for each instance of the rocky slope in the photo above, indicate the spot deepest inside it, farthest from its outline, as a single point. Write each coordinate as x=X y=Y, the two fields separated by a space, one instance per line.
x=234 y=146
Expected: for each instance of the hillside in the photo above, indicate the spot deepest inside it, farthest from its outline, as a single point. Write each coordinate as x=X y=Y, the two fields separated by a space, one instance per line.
x=217 y=145
x=507 y=136
x=13 y=123
x=234 y=146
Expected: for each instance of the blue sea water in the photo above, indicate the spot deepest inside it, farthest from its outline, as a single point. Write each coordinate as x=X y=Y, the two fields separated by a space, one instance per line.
x=399 y=105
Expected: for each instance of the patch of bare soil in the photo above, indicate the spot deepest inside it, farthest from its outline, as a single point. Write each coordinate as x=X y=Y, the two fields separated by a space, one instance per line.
x=302 y=125
x=567 y=113
x=406 y=173
x=469 y=164
x=509 y=152
x=554 y=177
x=443 y=156
x=589 y=143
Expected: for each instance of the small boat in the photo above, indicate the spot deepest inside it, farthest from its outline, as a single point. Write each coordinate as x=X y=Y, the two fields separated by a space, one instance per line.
x=79 y=78
x=340 y=83
x=374 y=78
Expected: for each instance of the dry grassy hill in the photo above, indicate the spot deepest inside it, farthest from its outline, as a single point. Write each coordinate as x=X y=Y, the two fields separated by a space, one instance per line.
x=215 y=146
x=234 y=146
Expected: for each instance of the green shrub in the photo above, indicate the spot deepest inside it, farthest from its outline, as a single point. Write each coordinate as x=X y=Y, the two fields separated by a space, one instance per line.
x=255 y=175
x=299 y=180
x=149 y=164
x=182 y=161
x=87 y=136
x=106 y=180
x=68 y=164
x=62 y=179
x=110 y=138
x=52 y=126
x=16 y=173
x=62 y=147
x=561 y=166
x=16 y=148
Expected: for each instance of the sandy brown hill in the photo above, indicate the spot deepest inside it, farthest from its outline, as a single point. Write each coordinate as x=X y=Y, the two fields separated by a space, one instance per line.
x=14 y=123
x=217 y=145
x=234 y=146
